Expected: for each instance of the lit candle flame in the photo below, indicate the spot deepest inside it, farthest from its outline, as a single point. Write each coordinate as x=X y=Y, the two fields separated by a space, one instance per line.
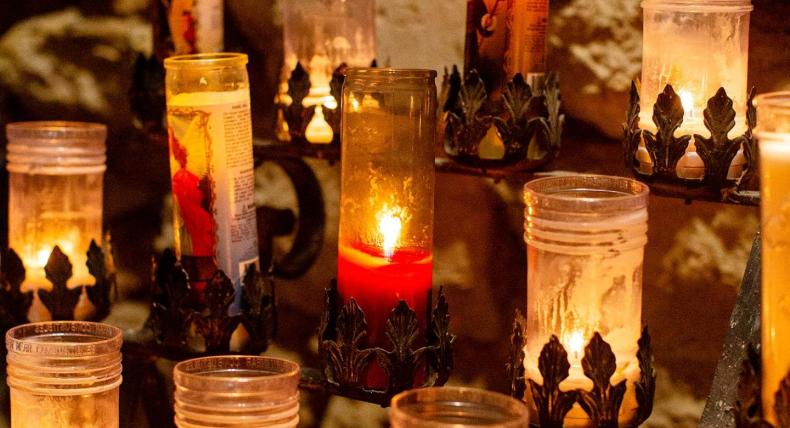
x=575 y=344
x=390 y=227
x=687 y=100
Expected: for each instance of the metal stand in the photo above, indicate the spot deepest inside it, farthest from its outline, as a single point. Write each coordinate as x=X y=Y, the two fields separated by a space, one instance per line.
x=717 y=152
x=345 y=359
x=528 y=124
x=602 y=403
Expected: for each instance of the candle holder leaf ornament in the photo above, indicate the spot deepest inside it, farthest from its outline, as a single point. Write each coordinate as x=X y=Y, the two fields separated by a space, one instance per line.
x=519 y=130
x=346 y=359
x=747 y=410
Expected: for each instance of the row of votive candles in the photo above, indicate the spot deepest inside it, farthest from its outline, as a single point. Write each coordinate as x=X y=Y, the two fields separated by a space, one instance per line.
x=67 y=374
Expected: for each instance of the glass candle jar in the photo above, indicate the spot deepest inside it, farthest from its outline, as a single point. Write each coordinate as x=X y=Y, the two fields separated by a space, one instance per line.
x=64 y=375
x=56 y=176
x=236 y=391
x=456 y=407
x=210 y=137
x=196 y=26
x=386 y=202
x=321 y=35
x=585 y=240
x=697 y=47
x=773 y=133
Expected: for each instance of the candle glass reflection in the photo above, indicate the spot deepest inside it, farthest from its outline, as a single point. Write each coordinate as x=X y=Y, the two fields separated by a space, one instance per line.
x=386 y=201
x=456 y=407
x=64 y=375
x=697 y=47
x=321 y=35
x=773 y=134
x=236 y=391
x=585 y=240
x=56 y=175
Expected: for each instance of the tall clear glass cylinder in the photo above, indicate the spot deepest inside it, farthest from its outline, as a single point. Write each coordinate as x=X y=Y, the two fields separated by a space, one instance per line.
x=773 y=133
x=56 y=176
x=321 y=35
x=585 y=240
x=210 y=137
x=236 y=391
x=64 y=375
x=386 y=198
x=455 y=407
x=697 y=47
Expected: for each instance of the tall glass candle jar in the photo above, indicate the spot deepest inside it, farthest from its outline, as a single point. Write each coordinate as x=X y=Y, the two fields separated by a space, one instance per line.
x=585 y=240
x=210 y=137
x=386 y=200
x=64 y=375
x=773 y=133
x=697 y=47
x=321 y=35
x=56 y=176
x=455 y=407
x=196 y=26
x=236 y=391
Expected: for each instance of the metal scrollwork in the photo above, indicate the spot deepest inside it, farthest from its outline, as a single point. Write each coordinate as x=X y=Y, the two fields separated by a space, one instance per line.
x=748 y=410
x=664 y=148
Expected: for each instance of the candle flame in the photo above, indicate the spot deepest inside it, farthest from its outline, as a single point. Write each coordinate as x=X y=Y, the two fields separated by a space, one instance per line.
x=390 y=227
x=575 y=344
x=687 y=100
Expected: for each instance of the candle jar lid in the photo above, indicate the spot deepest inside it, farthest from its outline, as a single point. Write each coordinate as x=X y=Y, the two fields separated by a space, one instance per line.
x=702 y=6
x=56 y=147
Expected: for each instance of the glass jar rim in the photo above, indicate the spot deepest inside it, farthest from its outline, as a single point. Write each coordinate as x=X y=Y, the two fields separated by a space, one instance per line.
x=21 y=340
x=207 y=60
x=604 y=193
x=699 y=6
x=774 y=100
x=516 y=409
x=196 y=373
x=56 y=130
x=391 y=73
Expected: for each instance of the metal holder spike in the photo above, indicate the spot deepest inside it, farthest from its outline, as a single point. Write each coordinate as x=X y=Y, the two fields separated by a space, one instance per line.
x=345 y=357
x=528 y=122
x=748 y=409
x=716 y=152
x=602 y=403
x=60 y=301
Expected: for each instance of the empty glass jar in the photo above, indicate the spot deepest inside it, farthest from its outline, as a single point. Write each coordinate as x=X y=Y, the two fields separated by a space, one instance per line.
x=64 y=375
x=455 y=407
x=236 y=391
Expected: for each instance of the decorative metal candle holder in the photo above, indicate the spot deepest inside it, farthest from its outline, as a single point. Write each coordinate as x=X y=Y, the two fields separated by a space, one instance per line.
x=748 y=408
x=178 y=310
x=345 y=359
x=717 y=152
x=602 y=403
x=61 y=300
x=528 y=125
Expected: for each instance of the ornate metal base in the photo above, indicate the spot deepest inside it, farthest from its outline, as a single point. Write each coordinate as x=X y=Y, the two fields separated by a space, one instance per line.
x=60 y=301
x=520 y=131
x=602 y=403
x=346 y=359
x=183 y=324
x=717 y=152
x=748 y=409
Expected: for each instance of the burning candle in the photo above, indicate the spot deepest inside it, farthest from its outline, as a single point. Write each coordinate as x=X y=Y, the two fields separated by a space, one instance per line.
x=56 y=175
x=210 y=138
x=697 y=47
x=322 y=35
x=386 y=202
x=585 y=242
x=774 y=140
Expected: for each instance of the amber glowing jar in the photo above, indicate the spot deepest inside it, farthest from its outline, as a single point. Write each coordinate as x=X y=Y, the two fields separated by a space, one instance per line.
x=585 y=240
x=56 y=176
x=236 y=391
x=455 y=407
x=321 y=35
x=697 y=47
x=773 y=134
x=386 y=200
x=64 y=374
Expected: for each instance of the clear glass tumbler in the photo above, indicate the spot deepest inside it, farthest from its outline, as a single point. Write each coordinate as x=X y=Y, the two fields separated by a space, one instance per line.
x=64 y=374
x=773 y=133
x=236 y=392
x=585 y=238
x=456 y=407
x=56 y=176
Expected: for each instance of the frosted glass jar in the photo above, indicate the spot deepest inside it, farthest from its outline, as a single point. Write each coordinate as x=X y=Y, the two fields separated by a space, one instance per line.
x=456 y=407
x=56 y=176
x=236 y=391
x=585 y=238
x=64 y=374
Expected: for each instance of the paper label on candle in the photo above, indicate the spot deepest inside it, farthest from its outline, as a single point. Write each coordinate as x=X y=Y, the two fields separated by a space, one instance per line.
x=211 y=164
x=196 y=26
